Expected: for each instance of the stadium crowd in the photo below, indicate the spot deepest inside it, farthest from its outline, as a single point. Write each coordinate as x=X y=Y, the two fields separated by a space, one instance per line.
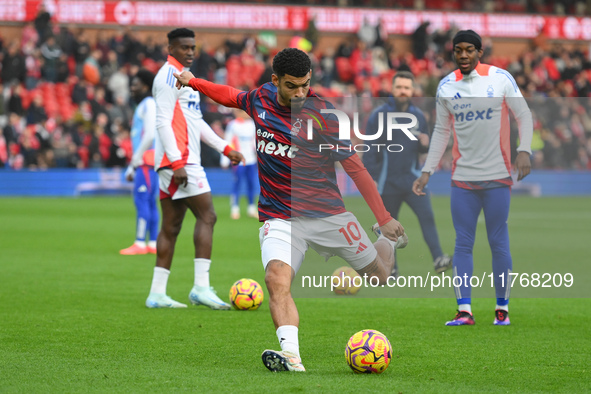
x=563 y=7
x=65 y=99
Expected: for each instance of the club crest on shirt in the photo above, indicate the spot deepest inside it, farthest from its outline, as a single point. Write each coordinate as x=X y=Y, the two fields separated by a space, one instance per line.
x=296 y=127
x=490 y=92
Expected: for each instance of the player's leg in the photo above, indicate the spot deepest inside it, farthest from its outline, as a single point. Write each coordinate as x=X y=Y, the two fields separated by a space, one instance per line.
x=141 y=202
x=465 y=208
x=251 y=181
x=278 y=277
x=202 y=293
x=154 y=221
x=281 y=261
x=421 y=206
x=496 y=213
x=238 y=174
x=202 y=208
x=173 y=213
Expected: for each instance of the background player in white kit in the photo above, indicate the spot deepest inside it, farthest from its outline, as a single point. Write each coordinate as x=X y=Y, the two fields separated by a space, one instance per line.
x=241 y=135
x=474 y=101
x=141 y=168
x=183 y=184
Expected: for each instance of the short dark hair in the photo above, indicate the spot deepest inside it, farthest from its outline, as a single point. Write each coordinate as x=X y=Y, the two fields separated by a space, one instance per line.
x=291 y=61
x=179 y=33
x=146 y=77
x=404 y=74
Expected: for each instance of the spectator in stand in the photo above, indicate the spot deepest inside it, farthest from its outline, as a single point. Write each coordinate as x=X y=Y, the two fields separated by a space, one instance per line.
x=420 y=40
x=120 y=44
x=367 y=33
x=43 y=24
x=118 y=84
x=91 y=71
x=66 y=40
x=13 y=129
x=33 y=64
x=36 y=112
x=111 y=66
x=51 y=53
x=15 y=103
x=3 y=117
x=30 y=35
x=13 y=65
x=312 y=34
x=81 y=51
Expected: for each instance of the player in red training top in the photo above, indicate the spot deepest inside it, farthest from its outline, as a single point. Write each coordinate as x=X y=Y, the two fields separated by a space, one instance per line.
x=300 y=203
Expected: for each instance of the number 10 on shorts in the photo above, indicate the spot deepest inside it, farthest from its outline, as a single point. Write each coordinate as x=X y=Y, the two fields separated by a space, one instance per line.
x=351 y=232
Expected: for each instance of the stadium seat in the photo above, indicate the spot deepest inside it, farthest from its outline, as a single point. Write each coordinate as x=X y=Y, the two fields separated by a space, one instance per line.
x=344 y=69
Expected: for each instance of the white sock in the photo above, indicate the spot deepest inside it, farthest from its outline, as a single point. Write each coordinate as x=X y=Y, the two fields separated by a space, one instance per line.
x=141 y=244
x=152 y=244
x=160 y=280
x=503 y=307
x=465 y=308
x=202 y=272
x=288 y=339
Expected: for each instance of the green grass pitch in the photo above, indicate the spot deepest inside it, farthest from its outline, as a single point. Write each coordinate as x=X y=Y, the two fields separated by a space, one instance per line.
x=72 y=315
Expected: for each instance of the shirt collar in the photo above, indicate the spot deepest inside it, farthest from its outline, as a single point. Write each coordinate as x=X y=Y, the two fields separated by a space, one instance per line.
x=175 y=63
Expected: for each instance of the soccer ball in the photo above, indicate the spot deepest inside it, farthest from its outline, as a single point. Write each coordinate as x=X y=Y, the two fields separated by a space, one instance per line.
x=246 y=295
x=344 y=282
x=368 y=351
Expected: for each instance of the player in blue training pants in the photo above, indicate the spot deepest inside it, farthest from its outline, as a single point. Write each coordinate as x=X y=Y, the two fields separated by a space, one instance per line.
x=141 y=169
x=473 y=101
x=241 y=134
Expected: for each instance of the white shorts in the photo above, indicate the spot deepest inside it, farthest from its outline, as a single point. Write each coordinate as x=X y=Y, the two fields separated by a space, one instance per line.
x=197 y=183
x=339 y=235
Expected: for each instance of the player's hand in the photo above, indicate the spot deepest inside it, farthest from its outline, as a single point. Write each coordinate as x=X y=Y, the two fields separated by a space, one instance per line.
x=423 y=139
x=523 y=165
x=392 y=230
x=236 y=157
x=419 y=184
x=130 y=173
x=183 y=78
x=180 y=177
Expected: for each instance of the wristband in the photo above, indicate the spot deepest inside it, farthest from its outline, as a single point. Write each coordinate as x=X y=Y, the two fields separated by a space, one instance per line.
x=227 y=150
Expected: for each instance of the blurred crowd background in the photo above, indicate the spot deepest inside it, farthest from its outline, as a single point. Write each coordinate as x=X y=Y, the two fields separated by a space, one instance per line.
x=65 y=99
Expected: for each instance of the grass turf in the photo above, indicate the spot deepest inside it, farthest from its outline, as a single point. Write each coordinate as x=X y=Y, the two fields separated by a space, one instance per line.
x=72 y=316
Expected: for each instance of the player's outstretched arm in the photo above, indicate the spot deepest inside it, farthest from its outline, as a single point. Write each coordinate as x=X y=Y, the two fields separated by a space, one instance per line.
x=353 y=166
x=221 y=94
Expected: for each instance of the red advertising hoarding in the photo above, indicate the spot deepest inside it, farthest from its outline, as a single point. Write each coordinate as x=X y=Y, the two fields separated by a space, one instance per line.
x=270 y=17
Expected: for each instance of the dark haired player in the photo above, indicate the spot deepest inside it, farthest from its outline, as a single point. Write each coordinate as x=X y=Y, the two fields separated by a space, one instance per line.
x=473 y=101
x=141 y=167
x=300 y=203
x=183 y=184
